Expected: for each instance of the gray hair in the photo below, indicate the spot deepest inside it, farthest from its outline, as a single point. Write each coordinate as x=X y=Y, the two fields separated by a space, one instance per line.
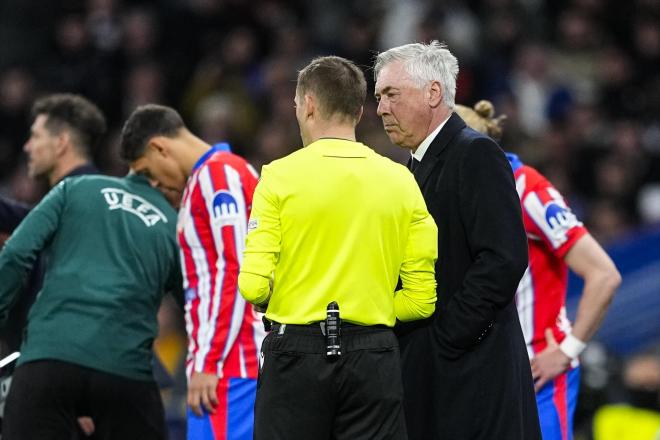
x=425 y=63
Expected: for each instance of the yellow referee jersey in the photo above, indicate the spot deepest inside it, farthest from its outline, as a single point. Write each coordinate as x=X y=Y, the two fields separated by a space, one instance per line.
x=335 y=221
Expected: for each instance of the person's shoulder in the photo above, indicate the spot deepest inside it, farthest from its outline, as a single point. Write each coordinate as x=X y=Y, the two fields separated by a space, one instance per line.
x=389 y=165
x=287 y=163
x=533 y=179
x=219 y=162
x=478 y=148
x=532 y=174
x=89 y=181
x=478 y=141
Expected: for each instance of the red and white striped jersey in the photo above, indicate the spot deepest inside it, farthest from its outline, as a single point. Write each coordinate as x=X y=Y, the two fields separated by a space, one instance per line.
x=224 y=333
x=552 y=229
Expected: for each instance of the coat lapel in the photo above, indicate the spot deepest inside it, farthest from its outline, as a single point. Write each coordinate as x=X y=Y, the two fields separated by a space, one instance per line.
x=452 y=127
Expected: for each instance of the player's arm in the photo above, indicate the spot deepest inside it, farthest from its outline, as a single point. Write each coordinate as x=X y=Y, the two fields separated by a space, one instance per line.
x=21 y=250
x=417 y=297
x=601 y=279
x=262 y=248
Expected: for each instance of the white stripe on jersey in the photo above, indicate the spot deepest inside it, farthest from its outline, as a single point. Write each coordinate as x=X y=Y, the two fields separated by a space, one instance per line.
x=258 y=332
x=208 y=193
x=525 y=305
x=182 y=218
x=235 y=187
x=521 y=183
x=203 y=282
x=241 y=361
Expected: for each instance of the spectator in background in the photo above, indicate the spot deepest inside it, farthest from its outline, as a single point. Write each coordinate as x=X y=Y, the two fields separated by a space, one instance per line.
x=224 y=332
x=557 y=240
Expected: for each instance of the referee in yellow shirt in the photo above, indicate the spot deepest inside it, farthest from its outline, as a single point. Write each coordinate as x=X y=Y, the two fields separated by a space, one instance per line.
x=337 y=223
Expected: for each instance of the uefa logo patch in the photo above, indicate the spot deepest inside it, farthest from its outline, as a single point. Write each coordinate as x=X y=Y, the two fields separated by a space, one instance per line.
x=119 y=199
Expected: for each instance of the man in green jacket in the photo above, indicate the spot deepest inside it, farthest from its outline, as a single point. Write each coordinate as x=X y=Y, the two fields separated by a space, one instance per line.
x=112 y=254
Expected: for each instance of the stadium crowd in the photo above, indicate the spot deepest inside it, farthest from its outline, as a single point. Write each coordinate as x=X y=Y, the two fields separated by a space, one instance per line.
x=578 y=80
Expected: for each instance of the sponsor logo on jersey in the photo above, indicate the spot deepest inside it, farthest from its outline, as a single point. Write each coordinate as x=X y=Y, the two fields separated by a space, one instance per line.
x=253 y=224
x=225 y=208
x=119 y=199
x=550 y=213
x=559 y=218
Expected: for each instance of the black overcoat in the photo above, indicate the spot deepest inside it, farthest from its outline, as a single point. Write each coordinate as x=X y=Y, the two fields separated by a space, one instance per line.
x=466 y=372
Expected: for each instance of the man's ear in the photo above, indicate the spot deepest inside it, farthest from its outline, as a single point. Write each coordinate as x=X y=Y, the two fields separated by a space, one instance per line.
x=435 y=94
x=158 y=145
x=309 y=105
x=63 y=142
x=359 y=116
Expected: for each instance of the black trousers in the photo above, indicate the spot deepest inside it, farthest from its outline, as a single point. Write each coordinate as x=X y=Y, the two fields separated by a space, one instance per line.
x=303 y=395
x=46 y=397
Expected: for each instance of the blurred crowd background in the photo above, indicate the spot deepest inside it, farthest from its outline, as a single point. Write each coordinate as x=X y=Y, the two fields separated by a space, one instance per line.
x=579 y=81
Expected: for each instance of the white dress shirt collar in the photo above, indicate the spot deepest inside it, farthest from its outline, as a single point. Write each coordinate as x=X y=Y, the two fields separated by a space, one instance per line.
x=421 y=150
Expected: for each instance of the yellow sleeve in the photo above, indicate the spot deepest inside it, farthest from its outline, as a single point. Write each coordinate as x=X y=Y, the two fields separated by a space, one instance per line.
x=263 y=243
x=416 y=299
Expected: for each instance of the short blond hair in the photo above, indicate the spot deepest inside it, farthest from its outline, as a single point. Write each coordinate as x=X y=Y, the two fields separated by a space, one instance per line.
x=482 y=118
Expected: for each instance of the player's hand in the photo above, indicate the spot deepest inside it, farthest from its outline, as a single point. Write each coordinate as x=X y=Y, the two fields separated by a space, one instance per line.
x=87 y=425
x=202 y=392
x=550 y=363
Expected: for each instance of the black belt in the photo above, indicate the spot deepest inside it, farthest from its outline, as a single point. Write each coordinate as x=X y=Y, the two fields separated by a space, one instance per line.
x=318 y=328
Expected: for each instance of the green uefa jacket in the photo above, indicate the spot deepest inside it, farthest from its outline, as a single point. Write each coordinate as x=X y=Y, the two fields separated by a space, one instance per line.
x=111 y=254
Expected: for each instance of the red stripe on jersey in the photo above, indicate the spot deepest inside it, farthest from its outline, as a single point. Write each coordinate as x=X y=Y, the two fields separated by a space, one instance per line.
x=251 y=351
x=560 y=398
x=219 y=419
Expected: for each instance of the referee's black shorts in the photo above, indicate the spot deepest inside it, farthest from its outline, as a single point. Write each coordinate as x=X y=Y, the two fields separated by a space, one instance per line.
x=303 y=395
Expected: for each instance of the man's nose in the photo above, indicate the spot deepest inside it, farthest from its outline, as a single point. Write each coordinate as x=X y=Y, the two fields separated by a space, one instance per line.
x=382 y=108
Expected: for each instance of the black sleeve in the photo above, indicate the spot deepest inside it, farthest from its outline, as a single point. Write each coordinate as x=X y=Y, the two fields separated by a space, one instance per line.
x=174 y=285
x=11 y=214
x=491 y=214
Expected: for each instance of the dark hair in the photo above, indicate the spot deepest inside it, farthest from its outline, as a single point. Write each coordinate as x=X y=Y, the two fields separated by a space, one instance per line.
x=74 y=112
x=144 y=123
x=337 y=83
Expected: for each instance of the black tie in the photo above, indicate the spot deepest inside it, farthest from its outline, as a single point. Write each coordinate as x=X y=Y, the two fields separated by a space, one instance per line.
x=414 y=164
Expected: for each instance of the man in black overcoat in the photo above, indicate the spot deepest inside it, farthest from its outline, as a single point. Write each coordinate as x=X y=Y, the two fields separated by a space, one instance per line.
x=466 y=372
